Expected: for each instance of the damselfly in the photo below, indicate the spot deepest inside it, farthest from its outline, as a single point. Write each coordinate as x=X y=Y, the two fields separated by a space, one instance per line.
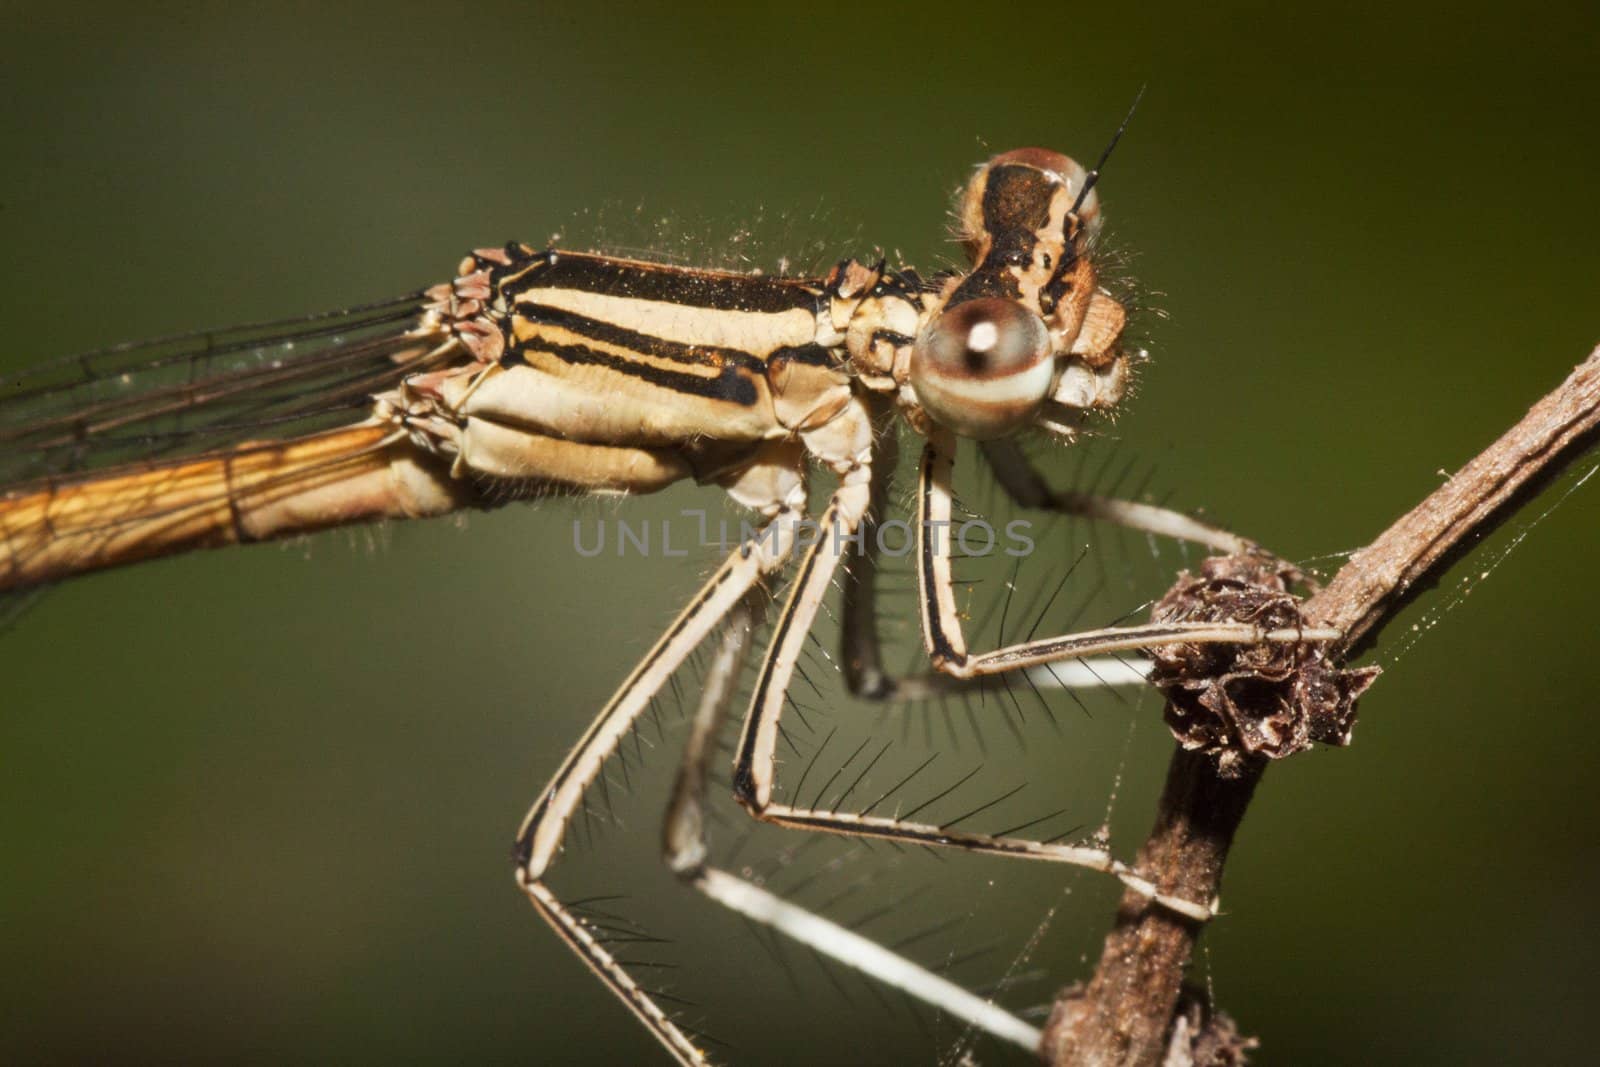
x=539 y=371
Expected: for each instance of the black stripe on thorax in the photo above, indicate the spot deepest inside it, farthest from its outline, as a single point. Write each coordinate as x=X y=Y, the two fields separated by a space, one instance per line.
x=716 y=290
x=659 y=347
x=645 y=344
x=731 y=383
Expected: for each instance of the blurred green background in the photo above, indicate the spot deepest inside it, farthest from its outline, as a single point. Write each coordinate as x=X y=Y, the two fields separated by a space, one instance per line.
x=256 y=805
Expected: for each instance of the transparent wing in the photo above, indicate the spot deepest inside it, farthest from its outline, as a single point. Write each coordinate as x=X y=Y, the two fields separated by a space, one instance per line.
x=191 y=393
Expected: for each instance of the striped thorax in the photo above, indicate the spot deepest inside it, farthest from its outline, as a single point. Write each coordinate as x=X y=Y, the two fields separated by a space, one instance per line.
x=657 y=372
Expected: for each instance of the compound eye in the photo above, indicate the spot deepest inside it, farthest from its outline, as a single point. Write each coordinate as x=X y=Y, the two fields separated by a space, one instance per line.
x=983 y=367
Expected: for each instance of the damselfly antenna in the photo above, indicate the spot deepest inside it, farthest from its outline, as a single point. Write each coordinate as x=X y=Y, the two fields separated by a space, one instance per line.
x=1094 y=172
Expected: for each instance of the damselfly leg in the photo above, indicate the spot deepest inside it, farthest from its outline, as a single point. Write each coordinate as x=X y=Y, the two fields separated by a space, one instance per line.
x=685 y=849
x=755 y=766
x=539 y=840
x=734 y=596
x=1028 y=488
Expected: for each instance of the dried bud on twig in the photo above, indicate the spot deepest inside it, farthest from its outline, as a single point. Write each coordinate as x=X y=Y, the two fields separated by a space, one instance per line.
x=1238 y=702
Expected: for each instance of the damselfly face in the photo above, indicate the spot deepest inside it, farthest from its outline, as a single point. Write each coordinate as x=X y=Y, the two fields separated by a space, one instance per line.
x=1027 y=337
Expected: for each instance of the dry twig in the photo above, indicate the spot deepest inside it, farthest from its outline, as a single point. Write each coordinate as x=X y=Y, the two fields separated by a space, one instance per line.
x=1125 y=1015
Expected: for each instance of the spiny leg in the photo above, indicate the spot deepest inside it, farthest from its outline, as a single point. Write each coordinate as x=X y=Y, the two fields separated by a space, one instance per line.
x=941 y=622
x=864 y=673
x=865 y=676
x=1027 y=487
x=755 y=763
x=539 y=840
x=685 y=850
x=863 y=669
x=754 y=771
x=946 y=645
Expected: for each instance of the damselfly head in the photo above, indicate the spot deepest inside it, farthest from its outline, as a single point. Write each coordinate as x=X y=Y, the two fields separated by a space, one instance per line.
x=1027 y=336
x=1023 y=189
